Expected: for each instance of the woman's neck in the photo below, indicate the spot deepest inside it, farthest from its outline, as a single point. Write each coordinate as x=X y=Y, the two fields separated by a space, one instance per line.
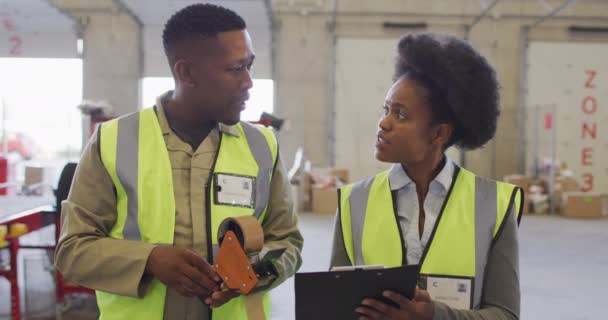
x=422 y=173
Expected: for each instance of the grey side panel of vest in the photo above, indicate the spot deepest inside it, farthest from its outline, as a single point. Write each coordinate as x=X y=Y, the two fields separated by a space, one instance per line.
x=127 y=155
x=263 y=156
x=358 y=205
x=485 y=220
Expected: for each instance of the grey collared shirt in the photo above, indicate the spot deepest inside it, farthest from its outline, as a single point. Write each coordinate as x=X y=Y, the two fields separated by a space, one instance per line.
x=408 y=205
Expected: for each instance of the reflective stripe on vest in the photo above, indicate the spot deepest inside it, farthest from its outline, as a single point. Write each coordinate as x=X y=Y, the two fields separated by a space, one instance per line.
x=473 y=212
x=134 y=152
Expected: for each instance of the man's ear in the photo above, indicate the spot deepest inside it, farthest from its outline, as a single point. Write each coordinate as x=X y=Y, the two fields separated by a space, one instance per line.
x=183 y=73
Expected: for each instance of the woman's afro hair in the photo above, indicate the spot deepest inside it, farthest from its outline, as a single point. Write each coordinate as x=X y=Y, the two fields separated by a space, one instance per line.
x=463 y=87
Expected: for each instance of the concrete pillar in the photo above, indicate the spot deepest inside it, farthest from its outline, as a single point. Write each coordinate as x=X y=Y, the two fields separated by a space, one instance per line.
x=500 y=44
x=112 y=56
x=112 y=61
x=304 y=46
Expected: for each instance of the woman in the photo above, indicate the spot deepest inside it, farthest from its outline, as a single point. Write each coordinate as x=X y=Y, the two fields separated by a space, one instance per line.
x=460 y=228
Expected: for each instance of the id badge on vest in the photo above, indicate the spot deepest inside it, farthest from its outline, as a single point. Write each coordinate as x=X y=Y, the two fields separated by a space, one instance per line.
x=456 y=292
x=234 y=190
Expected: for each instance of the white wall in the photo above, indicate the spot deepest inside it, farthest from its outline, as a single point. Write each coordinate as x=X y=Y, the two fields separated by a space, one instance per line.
x=571 y=79
x=362 y=65
x=37 y=45
x=306 y=33
x=35 y=29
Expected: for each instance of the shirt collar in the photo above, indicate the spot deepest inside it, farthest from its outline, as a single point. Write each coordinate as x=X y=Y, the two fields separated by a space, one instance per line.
x=166 y=129
x=446 y=175
x=231 y=130
x=398 y=178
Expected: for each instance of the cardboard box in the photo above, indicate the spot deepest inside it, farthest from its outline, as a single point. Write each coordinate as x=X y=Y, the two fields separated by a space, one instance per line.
x=320 y=189
x=523 y=182
x=518 y=180
x=558 y=203
x=566 y=184
x=306 y=200
x=584 y=205
x=563 y=184
x=33 y=175
x=342 y=174
x=324 y=201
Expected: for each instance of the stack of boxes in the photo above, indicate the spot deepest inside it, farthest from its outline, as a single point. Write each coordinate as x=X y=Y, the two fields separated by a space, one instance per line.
x=568 y=200
x=317 y=189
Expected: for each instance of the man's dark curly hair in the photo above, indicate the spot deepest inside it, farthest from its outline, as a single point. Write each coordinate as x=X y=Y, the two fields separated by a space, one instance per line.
x=200 y=20
x=463 y=88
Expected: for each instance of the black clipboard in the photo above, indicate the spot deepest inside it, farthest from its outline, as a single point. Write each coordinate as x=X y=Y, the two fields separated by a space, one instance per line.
x=336 y=294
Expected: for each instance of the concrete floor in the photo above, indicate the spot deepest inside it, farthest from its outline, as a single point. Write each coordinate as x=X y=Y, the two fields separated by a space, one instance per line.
x=564 y=271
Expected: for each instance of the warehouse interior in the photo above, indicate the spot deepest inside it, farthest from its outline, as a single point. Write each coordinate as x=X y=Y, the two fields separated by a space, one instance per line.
x=321 y=72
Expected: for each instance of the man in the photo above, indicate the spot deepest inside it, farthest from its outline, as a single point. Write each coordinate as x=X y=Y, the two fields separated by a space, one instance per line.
x=140 y=223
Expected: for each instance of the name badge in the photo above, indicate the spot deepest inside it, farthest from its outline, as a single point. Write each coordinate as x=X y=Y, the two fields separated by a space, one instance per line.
x=234 y=190
x=456 y=292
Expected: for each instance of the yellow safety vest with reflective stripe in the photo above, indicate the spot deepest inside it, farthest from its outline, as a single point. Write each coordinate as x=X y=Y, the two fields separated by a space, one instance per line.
x=473 y=214
x=135 y=155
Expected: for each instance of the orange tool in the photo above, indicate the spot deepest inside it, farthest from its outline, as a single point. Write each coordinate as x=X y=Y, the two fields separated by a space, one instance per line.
x=241 y=239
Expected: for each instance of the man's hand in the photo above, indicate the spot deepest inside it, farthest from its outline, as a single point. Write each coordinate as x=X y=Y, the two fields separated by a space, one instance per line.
x=183 y=270
x=218 y=298
x=421 y=308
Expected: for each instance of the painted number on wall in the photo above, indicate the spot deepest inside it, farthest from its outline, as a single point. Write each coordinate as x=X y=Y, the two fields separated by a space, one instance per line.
x=589 y=106
x=15 y=49
x=15 y=42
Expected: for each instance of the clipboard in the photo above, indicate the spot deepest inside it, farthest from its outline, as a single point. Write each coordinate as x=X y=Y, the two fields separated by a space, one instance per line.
x=336 y=294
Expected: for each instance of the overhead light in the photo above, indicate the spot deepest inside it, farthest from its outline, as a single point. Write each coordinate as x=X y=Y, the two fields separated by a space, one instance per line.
x=403 y=25
x=587 y=29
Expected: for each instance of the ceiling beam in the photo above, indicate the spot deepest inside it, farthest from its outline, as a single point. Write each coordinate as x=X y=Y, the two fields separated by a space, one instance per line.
x=73 y=6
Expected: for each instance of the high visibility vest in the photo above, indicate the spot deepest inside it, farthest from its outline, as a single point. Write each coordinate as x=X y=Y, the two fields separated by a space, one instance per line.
x=472 y=216
x=135 y=155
